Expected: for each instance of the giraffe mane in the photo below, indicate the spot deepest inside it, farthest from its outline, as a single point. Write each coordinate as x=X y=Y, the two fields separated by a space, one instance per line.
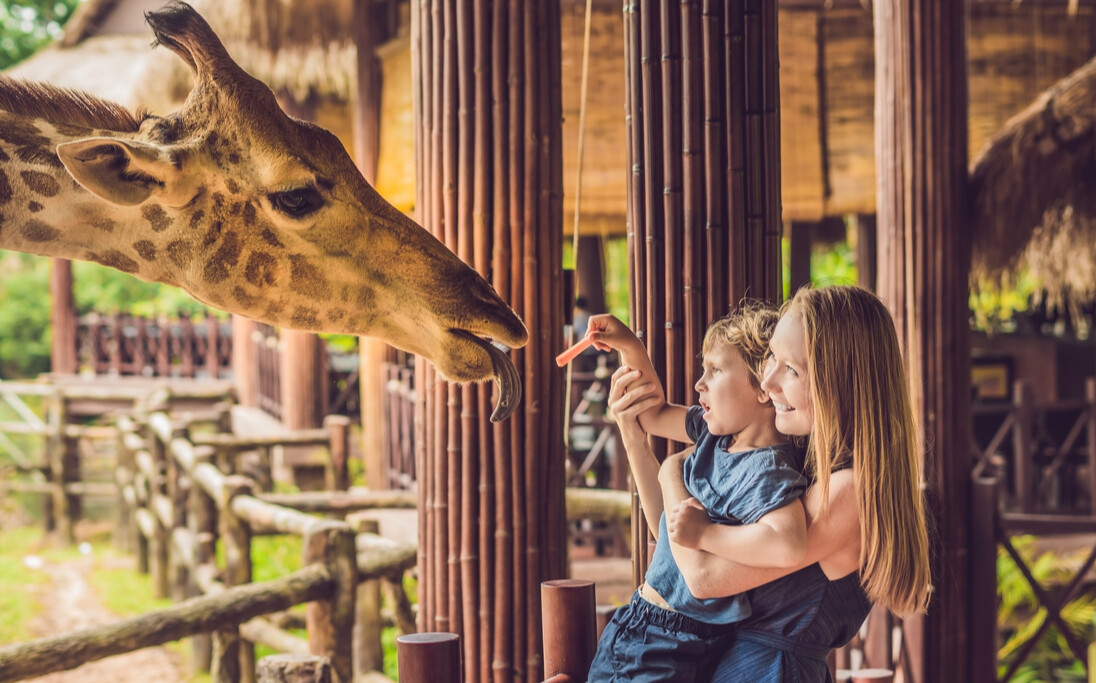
x=65 y=106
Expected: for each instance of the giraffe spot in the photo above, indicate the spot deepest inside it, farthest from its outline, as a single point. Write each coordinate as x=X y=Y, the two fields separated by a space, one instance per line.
x=261 y=269
x=5 y=188
x=34 y=207
x=250 y=214
x=145 y=249
x=243 y=298
x=104 y=224
x=196 y=218
x=306 y=278
x=179 y=251
x=270 y=238
x=366 y=299
x=234 y=158
x=41 y=183
x=213 y=234
x=4 y=156
x=274 y=310
x=235 y=209
x=336 y=315
x=156 y=217
x=305 y=318
x=216 y=268
x=232 y=186
x=37 y=231
x=114 y=259
x=30 y=145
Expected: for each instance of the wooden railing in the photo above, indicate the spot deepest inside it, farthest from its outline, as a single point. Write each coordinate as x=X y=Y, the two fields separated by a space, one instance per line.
x=180 y=493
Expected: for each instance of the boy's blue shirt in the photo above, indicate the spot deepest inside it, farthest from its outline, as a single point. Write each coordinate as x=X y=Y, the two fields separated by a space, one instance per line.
x=735 y=488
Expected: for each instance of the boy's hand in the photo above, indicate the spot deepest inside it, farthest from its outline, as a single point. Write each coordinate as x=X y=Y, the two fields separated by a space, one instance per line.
x=609 y=333
x=686 y=522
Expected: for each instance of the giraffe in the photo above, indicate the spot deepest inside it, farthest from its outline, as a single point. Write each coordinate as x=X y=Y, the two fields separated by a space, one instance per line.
x=247 y=209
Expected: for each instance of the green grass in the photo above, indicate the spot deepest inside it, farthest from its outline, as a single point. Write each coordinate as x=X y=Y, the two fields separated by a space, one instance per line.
x=18 y=603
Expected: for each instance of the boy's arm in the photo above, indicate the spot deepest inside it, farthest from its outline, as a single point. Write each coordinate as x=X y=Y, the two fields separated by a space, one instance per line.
x=778 y=539
x=662 y=419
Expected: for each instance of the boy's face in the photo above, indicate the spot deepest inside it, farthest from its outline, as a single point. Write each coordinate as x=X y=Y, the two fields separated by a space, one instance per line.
x=731 y=403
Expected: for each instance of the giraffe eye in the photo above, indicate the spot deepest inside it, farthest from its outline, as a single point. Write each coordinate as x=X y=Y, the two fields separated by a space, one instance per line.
x=297 y=203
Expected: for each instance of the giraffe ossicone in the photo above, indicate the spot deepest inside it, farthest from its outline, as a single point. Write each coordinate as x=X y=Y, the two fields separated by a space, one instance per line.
x=246 y=208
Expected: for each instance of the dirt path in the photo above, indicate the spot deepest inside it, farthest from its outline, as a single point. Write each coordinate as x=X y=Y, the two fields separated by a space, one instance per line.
x=70 y=603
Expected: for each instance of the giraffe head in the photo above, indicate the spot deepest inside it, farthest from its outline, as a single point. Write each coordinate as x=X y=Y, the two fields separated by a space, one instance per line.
x=264 y=215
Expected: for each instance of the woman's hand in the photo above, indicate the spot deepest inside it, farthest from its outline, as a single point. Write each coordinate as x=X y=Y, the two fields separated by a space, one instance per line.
x=629 y=396
x=686 y=523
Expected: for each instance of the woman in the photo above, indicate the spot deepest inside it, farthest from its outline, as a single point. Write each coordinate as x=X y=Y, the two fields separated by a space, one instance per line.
x=835 y=374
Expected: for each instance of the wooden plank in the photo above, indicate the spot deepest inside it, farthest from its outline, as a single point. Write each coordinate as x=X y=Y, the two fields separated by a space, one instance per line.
x=801 y=164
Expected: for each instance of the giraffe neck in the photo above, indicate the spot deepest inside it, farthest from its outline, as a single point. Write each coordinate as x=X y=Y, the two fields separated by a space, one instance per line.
x=44 y=211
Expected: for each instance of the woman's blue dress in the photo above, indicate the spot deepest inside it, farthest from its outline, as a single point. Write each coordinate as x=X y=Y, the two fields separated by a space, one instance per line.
x=796 y=621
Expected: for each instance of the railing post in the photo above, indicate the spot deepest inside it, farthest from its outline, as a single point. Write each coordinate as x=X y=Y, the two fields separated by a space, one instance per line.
x=570 y=627
x=1022 y=446
x=983 y=553
x=429 y=658
x=338 y=472
x=368 y=651
x=202 y=522
x=294 y=669
x=1090 y=441
x=331 y=622
x=233 y=657
x=123 y=481
x=58 y=461
x=158 y=487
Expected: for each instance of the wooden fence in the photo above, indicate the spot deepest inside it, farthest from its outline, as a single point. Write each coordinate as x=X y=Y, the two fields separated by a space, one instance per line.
x=123 y=345
x=179 y=493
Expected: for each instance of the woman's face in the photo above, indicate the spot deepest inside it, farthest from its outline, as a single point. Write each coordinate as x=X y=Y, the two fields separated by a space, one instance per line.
x=786 y=377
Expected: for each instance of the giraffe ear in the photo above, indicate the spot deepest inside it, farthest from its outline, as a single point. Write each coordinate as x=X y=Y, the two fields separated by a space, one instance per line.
x=121 y=172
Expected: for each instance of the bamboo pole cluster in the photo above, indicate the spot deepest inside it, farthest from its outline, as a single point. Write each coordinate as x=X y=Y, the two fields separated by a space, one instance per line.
x=488 y=135
x=704 y=229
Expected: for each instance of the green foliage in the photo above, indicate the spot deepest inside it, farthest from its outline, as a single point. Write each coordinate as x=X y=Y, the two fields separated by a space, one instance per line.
x=993 y=307
x=24 y=315
x=25 y=306
x=27 y=25
x=1019 y=615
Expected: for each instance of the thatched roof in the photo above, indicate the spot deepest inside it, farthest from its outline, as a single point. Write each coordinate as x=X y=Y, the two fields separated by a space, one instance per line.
x=1033 y=192
x=302 y=48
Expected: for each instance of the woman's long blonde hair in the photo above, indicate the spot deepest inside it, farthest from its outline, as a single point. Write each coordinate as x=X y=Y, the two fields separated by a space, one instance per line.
x=863 y=417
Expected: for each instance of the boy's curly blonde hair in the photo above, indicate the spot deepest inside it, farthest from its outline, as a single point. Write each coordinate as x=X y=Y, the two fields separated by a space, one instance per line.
x=747 y=329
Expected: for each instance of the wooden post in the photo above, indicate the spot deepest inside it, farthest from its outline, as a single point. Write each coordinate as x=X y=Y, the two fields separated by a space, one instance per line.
x=245 y=362
x=158 y=541
x=233 y=657
x=983 y=635
x=337 y=473
x=294 y=669
x=123 y=480
x=59 y=460
x=202 y=522
x=1024 y=464
x=1090 y=441
x=921 y=123
x=570 y=627
x=429 y=658
x=368 y=624
x=213 y=341
x=799 y=260
x=62 y=318
x=331 y=622
x=865 y=250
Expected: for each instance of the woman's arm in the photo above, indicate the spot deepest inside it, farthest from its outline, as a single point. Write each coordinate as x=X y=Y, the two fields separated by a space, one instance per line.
x=833 y=540
x=626 y=406
x=777 y=539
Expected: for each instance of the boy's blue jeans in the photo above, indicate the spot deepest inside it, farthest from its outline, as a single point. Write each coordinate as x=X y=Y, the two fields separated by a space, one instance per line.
x=644 y=642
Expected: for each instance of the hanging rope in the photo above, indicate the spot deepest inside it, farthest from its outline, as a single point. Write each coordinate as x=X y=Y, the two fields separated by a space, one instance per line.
x=568 y=381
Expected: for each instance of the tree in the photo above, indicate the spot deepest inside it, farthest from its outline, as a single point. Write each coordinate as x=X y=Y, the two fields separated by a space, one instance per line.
x=27 y=25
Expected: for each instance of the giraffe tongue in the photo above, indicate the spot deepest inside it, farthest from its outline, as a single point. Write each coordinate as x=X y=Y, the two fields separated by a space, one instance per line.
x=506 y=376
